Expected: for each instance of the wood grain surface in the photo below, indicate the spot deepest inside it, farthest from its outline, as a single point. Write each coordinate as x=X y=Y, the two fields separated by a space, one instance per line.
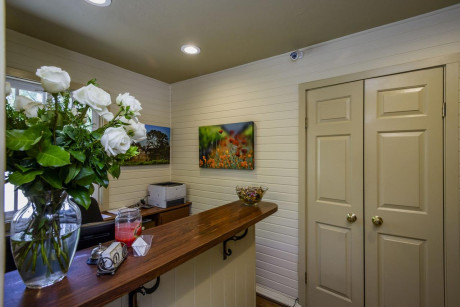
x=173 y=244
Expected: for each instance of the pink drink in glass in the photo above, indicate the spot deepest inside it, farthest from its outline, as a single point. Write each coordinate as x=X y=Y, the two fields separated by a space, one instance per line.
x=128 y=226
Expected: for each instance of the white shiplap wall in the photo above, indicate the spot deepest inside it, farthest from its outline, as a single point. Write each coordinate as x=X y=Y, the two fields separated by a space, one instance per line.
x=28 y=54
x=266 y=92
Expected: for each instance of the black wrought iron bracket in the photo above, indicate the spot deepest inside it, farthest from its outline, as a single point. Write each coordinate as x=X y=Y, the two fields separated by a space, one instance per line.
x=142 y=290
x=228 y=251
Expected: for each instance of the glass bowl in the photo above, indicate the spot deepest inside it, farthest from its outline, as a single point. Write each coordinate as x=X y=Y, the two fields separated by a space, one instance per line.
x=251 y=195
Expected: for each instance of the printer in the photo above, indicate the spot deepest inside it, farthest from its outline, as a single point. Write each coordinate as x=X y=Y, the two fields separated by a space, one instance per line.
x=166 y=194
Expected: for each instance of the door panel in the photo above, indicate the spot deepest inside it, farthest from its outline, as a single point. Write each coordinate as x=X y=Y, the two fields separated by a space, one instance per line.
x=333 y=173
x=334 y=261
x=403 y=153
x=400 y=155
x=401 y=263
x=334 y=189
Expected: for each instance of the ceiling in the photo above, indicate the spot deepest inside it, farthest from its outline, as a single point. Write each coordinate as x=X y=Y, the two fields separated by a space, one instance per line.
x=145 y=36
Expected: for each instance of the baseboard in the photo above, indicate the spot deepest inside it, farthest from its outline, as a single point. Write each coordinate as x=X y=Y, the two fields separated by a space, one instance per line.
x=277 y=296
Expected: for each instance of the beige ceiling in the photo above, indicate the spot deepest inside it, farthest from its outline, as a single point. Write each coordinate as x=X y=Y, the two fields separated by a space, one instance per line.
x=145 y=36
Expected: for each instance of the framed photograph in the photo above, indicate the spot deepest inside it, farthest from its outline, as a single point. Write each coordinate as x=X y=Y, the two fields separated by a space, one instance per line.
x=153 y=150
x=229 y=146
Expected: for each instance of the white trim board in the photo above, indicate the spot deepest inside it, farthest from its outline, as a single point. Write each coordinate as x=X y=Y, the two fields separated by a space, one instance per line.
x=277 y=296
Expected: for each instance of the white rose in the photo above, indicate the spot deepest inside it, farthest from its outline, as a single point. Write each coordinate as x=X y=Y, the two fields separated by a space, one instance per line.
x=32 y=110
x=53 y=79
x=92 y=96
x=27 y=105
x=7 y=89
x=106 y=114
x=127 y=100
x=135 y=130
x=115 y=141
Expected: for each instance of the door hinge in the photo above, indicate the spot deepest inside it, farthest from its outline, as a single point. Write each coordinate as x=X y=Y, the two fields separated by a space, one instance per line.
x=444 y=109
x=306 y=123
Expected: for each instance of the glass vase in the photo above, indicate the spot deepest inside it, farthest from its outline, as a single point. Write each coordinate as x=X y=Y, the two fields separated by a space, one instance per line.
x=44 y=237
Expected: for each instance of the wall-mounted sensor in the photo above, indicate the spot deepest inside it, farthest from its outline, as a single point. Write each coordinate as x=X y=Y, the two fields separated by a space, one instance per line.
x=296 y=55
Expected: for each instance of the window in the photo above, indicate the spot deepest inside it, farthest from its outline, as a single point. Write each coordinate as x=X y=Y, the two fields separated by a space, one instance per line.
x=13 y=198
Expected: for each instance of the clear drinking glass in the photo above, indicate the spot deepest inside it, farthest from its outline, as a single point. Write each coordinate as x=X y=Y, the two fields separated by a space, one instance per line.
x=128 y=225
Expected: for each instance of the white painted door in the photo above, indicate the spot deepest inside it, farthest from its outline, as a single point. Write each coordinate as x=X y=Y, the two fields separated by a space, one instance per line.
x=335 y=189
x=404 y=186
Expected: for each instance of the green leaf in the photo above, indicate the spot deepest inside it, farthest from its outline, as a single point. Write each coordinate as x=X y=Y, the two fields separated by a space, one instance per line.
x=26 y=164
x=72 y=173
x=53 y=155
x=91 y=189
x=22 y=139
x=81 y=196
x=22 y=168
x=92 y=81
x=85 y=177
x=114 y=170
x=97 y=134
x=102 y=180
x=80 y=156
x=52 y=177
x=34 y=189
x=69 y=131
x=100 y=164
x=18 y=178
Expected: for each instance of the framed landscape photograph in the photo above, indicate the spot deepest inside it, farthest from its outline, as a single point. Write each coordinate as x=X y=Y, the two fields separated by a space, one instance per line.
x=228 y=146
x=153 y=150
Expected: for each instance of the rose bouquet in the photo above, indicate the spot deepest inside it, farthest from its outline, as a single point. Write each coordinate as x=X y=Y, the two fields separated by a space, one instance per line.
x=52 y=151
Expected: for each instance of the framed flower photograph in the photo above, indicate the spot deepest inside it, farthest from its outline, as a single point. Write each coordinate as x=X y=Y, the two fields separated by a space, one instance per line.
x=228 y=146
x=155 y=149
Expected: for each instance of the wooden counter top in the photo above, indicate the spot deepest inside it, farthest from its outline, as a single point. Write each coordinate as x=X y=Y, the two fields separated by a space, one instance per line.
x=173 y=244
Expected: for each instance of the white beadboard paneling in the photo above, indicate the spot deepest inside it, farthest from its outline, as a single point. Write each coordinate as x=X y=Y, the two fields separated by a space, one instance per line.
x=277 y=253
x=290 y=265
x=266 y=92
x=208 y=280
x=276 y=269
x=28 y=54
x=286 y=230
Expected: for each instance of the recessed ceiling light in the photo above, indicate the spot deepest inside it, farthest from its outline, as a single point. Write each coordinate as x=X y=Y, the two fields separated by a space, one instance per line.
x=190 y=49
x=99 y=2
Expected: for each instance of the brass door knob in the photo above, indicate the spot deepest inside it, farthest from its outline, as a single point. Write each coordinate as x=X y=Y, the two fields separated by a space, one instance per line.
x=377 y=220
x=351 y=217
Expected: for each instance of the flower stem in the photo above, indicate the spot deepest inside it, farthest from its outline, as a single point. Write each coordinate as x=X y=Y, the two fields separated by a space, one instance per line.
x=34 y=257
x=56 y=109
x=45 y=257
x=83 y=114
x=115 y=117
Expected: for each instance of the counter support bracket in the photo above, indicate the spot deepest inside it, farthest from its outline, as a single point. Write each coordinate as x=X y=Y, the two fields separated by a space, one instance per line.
x=228 y=251
x=142 y=290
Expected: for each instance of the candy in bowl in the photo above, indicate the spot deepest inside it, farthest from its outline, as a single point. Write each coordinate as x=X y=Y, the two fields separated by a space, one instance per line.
x=251 y=195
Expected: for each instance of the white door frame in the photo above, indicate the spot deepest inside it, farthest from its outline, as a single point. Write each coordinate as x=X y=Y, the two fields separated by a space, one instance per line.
x=451 y=64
